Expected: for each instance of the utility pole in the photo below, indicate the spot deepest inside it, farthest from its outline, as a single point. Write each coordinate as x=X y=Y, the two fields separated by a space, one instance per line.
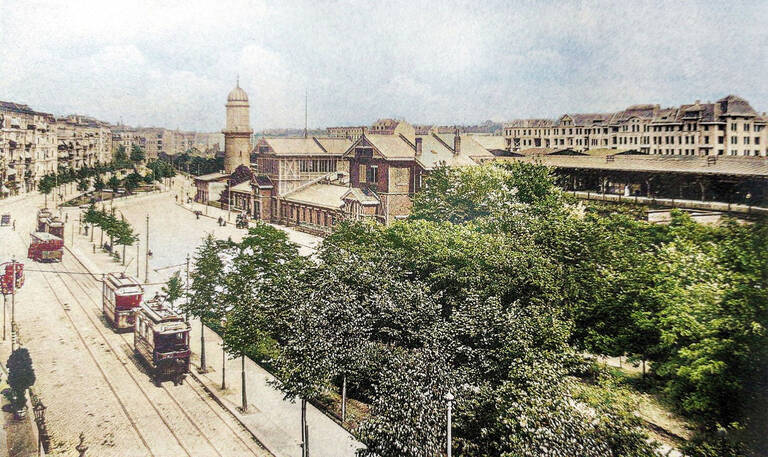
x=203 y=368
x=449 y=398
x=138 y=260
x=13 y=293
x=229 y=198
x=146 y=256
x=3 y=316
x=245 y=399
x=186 y=316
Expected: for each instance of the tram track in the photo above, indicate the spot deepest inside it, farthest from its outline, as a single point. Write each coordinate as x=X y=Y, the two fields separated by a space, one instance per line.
x=187 y=385
x=178 y=412
x=100 y=368
x=115 y=353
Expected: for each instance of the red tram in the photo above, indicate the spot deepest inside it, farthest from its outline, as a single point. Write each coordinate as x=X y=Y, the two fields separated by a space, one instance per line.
x=45 y=247
x=7 y=282
x=43 y=214
x=161 y=339
x=47 y=222
x=120 y=299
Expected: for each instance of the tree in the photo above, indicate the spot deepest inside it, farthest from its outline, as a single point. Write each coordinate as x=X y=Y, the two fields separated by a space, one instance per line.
x=114 y=184
x=83 y=184
x=125 y=236
x=137 y=154
x=205 y=291
x=132 y=181
x=408 y=415
x=121 y=157
x=45 y=186
x=173 y=289
x=21 y=376
x=98 y=183
x=259 y=261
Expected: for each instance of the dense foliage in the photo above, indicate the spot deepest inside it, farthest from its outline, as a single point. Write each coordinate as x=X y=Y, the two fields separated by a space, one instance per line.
x=491 y=291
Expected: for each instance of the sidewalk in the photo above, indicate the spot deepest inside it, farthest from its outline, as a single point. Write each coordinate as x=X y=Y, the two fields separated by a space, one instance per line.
x=18 y=438
x=275 y=421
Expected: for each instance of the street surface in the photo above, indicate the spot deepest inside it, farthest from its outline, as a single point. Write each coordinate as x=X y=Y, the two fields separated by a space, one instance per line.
x=88 y=376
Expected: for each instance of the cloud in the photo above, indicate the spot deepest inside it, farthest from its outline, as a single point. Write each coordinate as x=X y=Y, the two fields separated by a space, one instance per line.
x=172 y=63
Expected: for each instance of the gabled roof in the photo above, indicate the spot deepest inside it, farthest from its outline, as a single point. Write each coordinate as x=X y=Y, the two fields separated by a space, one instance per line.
x=334 y=146
x=263 y=182
x=293 y=146
x=244 y=187
x=490 y=142
x=363 y=196
x=323 y=195
x=387 y=146
x=735 y=106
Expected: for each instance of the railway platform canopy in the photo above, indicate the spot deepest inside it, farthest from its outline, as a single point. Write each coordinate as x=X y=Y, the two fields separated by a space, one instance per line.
x=728 y=179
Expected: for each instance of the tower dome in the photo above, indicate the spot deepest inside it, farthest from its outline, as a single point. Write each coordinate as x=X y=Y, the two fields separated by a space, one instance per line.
x=237 y=95
x=237 y=133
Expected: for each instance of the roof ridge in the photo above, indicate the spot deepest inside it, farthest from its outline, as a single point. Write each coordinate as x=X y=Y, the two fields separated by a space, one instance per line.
x=450 y=148
x=413 y=146
x=319 y=145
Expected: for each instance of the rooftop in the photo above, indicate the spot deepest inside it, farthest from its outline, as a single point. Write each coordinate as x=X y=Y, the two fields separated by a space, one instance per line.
x=323 y=195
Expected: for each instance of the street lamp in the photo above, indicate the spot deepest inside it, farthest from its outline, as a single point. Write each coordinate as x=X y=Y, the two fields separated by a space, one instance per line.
x=449 y=398
x=39 y=410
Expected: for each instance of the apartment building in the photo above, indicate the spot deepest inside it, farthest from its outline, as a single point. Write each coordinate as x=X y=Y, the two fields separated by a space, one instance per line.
x=27 y=147
x=82 y=141
x=729 y=126
x=350 y=133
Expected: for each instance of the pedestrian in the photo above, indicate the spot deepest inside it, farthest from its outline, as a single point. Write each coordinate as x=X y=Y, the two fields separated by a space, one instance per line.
x=14 y=225
x=66 y=217
x=220 y=220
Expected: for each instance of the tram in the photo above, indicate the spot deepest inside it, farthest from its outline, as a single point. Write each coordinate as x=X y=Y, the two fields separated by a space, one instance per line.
x=47 y=222
x=10 y=281
x=161 y=340
x=44 y=247
x=120 y=299
x=43 y=214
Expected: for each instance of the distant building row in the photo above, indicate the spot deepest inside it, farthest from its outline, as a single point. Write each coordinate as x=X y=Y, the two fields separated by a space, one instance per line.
x=34 y=143
x=729 y=126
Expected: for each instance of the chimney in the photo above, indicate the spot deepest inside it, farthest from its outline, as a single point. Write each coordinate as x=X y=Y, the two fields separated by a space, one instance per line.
x=418 y=146
x=456 y=143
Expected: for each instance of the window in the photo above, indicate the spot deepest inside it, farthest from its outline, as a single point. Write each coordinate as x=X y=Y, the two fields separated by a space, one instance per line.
x=720 y=140
x=734 y=140
x=746 y=127
x=361 y=176
x=373 y=174
x=734 y=126
x=757 y=140
x=746 y=140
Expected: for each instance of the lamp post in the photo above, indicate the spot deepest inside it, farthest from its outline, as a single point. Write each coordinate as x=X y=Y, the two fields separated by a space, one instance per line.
x=13 y=293
x=449 y=398
x=39 y=410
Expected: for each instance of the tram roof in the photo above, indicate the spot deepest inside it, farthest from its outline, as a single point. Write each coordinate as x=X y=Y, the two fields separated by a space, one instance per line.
x=164 y=318
x=120 y=280
x=44 y=236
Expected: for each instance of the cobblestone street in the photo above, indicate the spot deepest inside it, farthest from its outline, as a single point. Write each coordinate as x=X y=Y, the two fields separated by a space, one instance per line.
x=88 y=377
x=91 y=381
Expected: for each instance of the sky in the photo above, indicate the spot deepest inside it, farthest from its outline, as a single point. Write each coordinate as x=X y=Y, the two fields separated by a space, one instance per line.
x=172 y=63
